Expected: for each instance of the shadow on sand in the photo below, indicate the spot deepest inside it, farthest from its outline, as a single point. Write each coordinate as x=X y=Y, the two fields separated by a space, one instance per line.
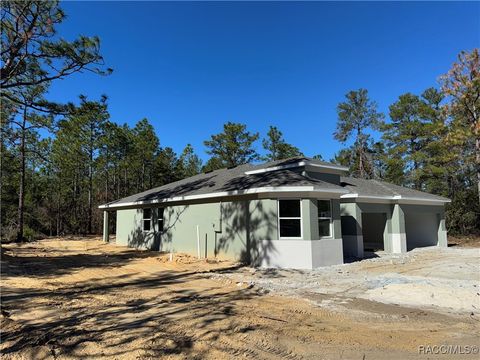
x=121 y=314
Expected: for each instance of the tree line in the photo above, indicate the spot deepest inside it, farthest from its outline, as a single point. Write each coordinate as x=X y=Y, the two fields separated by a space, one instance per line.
x=58 y=162
x=429 y=141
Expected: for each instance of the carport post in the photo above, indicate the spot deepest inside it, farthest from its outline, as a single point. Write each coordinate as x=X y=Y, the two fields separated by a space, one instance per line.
x=442 y=230
x=398 y=236
x=106 y=228
x=352 y=232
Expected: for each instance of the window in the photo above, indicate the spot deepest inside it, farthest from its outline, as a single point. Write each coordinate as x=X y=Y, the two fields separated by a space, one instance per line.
x=160 y=219
x=290 y=218
x=147 y=219
x=324 y=218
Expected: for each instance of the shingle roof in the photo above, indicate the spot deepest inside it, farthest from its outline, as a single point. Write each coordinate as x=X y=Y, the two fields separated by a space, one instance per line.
x=230 y=180
x=366 y=188
x=235 y=180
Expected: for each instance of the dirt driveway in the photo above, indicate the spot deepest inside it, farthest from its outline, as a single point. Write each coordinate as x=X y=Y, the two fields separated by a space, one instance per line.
x=82 y=299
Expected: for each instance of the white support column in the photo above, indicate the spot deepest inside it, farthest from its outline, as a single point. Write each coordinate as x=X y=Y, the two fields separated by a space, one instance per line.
x=359 y=232
x=398 y=236
x=442 y=230
x=352 y=226
x=106 y=228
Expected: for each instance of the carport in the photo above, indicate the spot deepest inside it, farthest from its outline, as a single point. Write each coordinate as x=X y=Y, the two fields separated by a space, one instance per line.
x=375 y=233
x=381 y=216
x=422 y=226
x=394 y=228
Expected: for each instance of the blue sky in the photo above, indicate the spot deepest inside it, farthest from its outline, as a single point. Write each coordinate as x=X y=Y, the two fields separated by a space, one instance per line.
x=190 y=67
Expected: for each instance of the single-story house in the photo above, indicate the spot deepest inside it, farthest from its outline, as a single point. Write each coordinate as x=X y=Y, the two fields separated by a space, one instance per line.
x=296 y=213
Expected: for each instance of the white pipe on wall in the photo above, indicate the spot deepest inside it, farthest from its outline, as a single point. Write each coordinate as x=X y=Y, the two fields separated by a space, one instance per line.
x=198 y=242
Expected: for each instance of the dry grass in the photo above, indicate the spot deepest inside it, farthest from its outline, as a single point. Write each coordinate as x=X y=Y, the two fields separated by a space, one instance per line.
x=464 y=241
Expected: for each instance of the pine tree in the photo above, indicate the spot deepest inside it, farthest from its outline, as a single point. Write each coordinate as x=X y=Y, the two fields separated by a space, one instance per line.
x=30 y=45
x=355 y=116
x=24 y=137
x=233 y=146
x=405 y=135
x=77 y=148
x=277 y=148
x=146 y=147
x=462 y=86
x=214 y=163
x=190 y=163
x=410 y=137
x=169 y=166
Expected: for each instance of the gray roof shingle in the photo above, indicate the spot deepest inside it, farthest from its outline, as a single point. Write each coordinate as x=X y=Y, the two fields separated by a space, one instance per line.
x=366 y=188
x=235 y=179
x=229 y=180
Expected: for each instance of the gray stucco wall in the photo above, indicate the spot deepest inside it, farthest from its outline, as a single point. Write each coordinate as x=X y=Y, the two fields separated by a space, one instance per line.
x=226 y=229
x=129 y=230
x=311 y=251
x=180 y=229
x=245 y=230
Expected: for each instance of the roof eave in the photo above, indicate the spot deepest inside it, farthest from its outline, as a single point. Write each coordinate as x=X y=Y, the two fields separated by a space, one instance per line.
x=283 y=190
x=395 y=199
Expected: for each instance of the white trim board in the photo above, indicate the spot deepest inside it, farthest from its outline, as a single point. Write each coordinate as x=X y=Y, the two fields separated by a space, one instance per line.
x=295 y=165
x=394 y=199
x=262 y=190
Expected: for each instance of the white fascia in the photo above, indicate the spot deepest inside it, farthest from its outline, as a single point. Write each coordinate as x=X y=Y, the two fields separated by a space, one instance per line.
x=262 y=190
x=332 y=167
x=295 y=165
x=421 y=201
x=396 y=199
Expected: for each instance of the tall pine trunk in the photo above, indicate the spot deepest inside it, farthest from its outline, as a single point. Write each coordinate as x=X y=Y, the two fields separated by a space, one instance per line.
x=58 y=208
x=90 y=182
x=90 y=199
x=477 y=156
x=21 y=191
x=125 y=182
x=360 y=162
x=143 y=175
x=107 y=183
x=360 y=145
x=75 y=205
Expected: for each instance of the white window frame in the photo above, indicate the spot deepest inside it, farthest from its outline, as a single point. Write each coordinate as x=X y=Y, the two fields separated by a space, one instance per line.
x=330 y=227
x=295 y=218
x=144 y=219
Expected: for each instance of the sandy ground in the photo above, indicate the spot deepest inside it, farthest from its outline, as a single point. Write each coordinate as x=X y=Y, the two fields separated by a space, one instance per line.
x=444 y=280
x=82 y=299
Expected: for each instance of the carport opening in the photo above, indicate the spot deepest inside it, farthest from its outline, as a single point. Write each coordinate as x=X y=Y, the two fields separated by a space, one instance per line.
x=421 y=229
x=373 y=228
